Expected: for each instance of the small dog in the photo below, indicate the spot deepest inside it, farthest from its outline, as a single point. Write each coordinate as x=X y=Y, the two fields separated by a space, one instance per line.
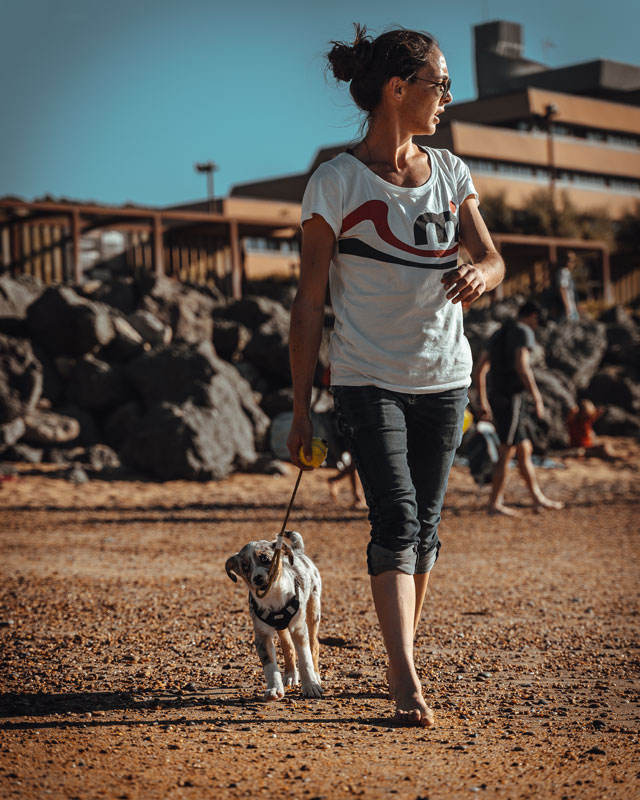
x=291 y=608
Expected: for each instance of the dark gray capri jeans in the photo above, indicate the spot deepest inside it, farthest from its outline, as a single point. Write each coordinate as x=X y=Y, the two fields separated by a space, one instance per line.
x=403 y=447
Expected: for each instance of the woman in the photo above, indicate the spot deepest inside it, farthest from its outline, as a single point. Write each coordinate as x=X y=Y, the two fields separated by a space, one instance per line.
x=382 y=222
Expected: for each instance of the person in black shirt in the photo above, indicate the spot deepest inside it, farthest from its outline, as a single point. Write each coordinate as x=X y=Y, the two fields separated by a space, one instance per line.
x=503 y=374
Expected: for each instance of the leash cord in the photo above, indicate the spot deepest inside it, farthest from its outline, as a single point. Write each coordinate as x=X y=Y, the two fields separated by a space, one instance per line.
x=275 y=561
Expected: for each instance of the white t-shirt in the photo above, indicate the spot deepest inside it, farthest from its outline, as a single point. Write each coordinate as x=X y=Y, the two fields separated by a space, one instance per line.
x=394 y=327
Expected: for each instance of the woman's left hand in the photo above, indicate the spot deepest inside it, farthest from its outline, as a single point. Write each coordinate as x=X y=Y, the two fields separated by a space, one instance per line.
x=469 y=281
x=464 y=284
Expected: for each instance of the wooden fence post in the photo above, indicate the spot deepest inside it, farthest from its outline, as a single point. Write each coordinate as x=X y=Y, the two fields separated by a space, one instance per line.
x=158 y=250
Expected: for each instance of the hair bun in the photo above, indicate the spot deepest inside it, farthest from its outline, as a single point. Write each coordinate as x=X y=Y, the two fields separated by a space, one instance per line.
x=347 y=60
x=342 y=59
x=363 y=50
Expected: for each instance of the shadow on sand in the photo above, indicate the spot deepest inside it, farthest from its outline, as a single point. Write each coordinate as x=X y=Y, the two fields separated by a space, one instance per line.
x=23 y=708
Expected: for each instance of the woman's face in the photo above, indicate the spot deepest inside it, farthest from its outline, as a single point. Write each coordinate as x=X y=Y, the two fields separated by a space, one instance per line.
x=427 y=95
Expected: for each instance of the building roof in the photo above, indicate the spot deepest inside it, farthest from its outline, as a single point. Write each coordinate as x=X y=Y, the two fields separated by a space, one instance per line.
x=501 y=67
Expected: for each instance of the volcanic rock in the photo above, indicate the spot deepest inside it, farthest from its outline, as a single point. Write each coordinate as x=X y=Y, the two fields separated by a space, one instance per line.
x=617 y=422
x=49 y=427
x=121 y=423
x=17 y=294
x=252 y=311
x=152 y=330
x=230 y=338
x=10 y=432
x=612 y=386
x=559 y=398
x=66 y=324
x=126 y=344
x=89 y=431
x=187 y=311
x=175 y=373
x=192 y=442
x=52 y=385
x=20 y=378
x=24 y=453
x=269 y=347
x=119 y=293
x=96 y=385
x=575 y=348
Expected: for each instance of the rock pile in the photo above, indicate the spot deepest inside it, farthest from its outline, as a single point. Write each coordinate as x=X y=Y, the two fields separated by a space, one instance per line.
x=128 y=373
x=177 y=382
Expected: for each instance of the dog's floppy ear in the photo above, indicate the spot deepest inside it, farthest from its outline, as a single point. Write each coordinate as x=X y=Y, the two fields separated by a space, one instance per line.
x=295 y=541
x=233 y=566
x=288 y=551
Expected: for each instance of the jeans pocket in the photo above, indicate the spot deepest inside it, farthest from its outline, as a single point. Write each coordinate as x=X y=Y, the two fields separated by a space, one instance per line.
x=351 y=404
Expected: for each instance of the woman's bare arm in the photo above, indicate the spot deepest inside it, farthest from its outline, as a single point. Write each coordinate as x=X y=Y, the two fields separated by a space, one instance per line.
x=305 y=332
x=468 y=282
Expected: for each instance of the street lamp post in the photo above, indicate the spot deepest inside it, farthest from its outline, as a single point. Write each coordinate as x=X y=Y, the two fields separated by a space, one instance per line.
x=551 y=111
x=208 y=167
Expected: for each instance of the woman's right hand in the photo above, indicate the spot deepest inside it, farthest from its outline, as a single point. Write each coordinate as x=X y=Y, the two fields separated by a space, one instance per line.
x=300 y=435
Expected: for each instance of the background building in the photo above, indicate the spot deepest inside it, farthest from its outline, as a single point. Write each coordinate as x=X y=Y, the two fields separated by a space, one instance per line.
x=569 y=135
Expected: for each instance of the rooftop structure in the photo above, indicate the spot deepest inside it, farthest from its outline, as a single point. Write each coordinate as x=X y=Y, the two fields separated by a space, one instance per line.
x=501 y=68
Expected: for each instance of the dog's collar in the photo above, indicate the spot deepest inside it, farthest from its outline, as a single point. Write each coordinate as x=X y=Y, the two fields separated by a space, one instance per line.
x=277 y=619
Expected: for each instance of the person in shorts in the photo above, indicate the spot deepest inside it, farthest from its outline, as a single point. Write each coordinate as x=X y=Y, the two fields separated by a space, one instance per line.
x=382 y=223
x=503 y=375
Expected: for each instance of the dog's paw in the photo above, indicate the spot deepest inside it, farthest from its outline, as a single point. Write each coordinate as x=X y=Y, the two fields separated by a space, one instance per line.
x=311 y=689
x=291 y=678
x=275 y=693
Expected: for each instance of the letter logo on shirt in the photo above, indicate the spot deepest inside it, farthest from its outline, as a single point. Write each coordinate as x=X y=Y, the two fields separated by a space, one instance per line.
x=439 y=221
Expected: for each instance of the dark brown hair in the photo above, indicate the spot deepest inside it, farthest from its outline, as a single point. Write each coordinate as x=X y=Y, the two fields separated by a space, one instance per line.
x=369 y=63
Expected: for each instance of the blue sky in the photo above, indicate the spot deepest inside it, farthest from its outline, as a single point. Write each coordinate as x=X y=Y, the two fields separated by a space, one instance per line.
x=114 y=100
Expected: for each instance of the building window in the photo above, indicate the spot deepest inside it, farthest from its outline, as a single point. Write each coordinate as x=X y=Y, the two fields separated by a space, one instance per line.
x=262 y=244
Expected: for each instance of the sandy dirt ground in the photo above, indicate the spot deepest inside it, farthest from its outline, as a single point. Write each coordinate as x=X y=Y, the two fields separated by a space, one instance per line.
x=128 y=668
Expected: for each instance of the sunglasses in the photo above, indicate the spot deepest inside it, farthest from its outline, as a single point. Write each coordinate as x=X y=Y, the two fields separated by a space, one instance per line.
x=444 y=86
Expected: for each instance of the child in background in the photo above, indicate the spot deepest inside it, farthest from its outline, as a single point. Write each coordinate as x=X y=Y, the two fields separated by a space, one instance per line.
x=580 y=422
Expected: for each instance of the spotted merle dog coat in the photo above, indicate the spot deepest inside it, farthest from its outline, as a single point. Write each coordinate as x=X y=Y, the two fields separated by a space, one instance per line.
x=290 y=609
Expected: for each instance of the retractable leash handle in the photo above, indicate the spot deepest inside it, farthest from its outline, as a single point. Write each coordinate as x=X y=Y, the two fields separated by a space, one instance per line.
x=319 y=453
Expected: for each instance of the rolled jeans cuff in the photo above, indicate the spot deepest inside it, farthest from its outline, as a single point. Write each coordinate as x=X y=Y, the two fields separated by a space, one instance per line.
x=427 y=560
x=380 y=559
x=410 y=559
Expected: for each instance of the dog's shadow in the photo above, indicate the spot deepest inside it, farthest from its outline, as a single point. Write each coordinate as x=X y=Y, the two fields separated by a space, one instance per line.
x=85 y=709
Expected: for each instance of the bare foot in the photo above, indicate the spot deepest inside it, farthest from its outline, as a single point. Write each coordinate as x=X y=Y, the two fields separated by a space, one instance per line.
x=543 y=502
x=412 y=711
x=499 y=508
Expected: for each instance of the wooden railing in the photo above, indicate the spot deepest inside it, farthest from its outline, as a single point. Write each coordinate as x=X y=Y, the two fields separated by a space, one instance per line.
x=627 y=288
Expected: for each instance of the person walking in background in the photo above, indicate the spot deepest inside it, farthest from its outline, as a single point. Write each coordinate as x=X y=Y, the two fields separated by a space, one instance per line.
x=566 y=289
x=382 y=223
x=502 y=375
